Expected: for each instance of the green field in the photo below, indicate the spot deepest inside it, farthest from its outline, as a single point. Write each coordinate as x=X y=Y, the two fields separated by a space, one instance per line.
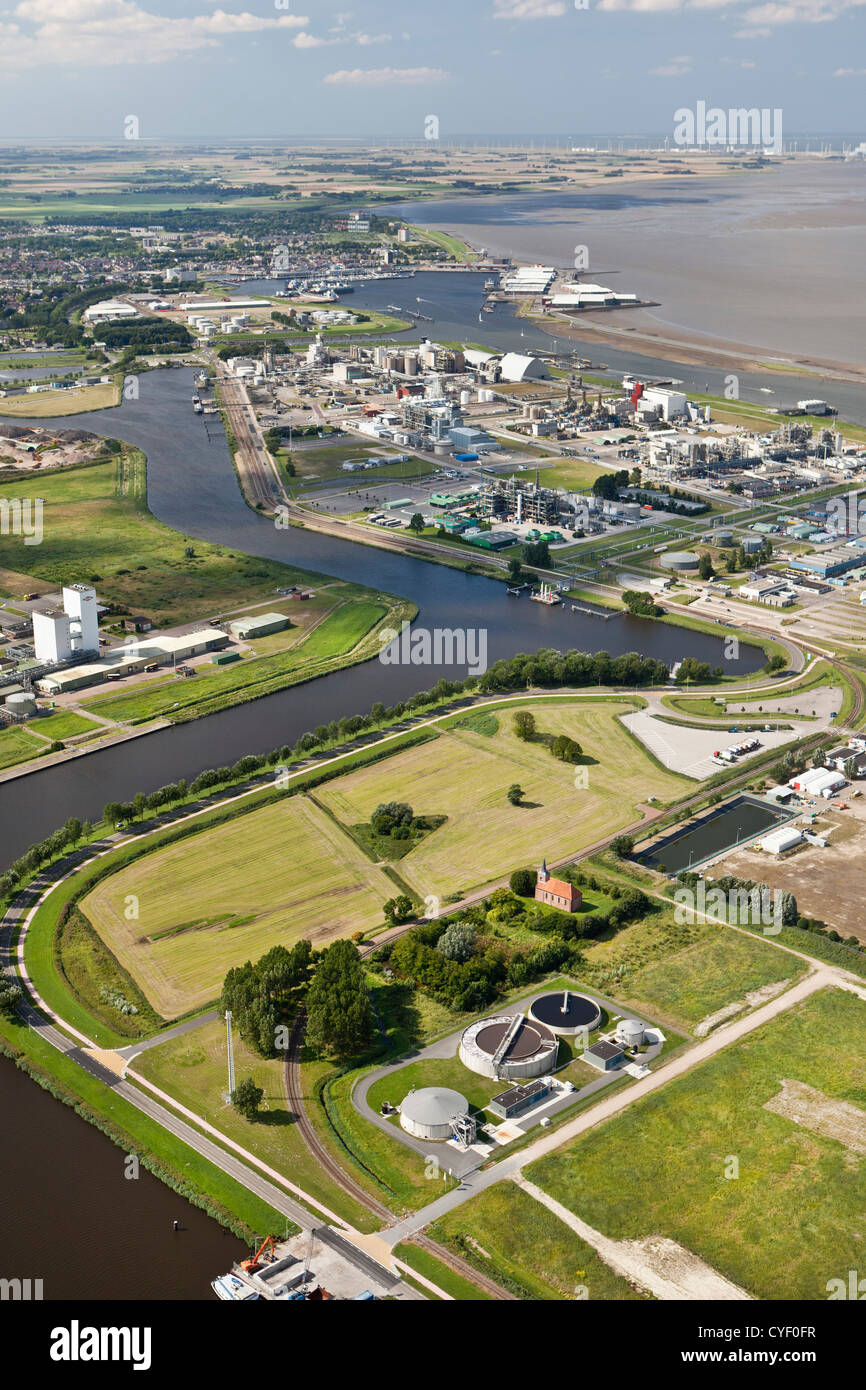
x=522 y=1245
x=48 y=404
x=193 y=1069
x=793 y=1218
x=98 y=527
x=689 y=985
x=465 y=776
x=17 y=746
x=214 y=900
x=214 y=687
x=63 y=724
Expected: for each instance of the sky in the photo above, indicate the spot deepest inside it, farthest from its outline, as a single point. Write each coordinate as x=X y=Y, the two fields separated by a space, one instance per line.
x=282 y=69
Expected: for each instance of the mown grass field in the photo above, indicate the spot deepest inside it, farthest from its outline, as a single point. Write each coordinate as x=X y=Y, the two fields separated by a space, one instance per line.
x=465 y=776
x=214 y=900
x=793 y=1218
x=518 y=1242
x=49 y=404
x=64 y=724
x=17 y=746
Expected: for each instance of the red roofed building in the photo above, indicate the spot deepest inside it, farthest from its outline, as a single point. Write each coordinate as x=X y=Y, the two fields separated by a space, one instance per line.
x=555 y=892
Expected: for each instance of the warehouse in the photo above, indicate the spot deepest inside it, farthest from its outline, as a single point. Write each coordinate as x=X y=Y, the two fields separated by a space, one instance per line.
x=260 y=626
x=778 y=841
x=128 y=661
x=515 y=367
x=433 y=1112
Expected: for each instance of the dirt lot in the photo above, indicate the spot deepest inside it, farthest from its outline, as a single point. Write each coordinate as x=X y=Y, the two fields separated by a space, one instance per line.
x=53 y=448
x=827 y=883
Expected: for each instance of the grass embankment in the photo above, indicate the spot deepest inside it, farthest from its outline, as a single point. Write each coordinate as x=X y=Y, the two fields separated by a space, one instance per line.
x=445 y=1278
x=791 y=1220
x=515 y=1240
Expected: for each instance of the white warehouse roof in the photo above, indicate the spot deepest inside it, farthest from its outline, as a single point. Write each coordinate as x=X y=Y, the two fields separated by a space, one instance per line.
x=515 y=367
x=779 y=840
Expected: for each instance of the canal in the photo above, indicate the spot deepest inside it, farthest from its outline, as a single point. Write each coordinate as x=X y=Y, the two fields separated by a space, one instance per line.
x=192 y=486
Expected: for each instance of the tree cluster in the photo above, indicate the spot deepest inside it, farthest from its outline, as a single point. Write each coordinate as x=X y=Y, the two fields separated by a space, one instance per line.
x=259 y=995
x=339 y=1016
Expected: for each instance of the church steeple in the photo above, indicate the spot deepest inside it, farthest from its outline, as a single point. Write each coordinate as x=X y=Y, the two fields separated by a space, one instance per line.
x=543 y=872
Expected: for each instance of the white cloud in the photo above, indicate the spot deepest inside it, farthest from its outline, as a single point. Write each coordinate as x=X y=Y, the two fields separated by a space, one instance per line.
x=96 y=33
x=677 y=67
x=528 y=9
x=387 y=77
x=305 y=40
x=850 y=72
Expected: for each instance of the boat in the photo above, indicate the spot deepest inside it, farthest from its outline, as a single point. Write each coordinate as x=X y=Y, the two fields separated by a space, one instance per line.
x=490 y=284
x=231 y=1289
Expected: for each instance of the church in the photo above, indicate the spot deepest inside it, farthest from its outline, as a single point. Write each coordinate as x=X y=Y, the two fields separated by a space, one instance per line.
x=555 y=892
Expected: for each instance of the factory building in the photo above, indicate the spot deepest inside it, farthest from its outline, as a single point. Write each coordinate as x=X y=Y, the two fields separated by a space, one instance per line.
x=259 y=626
x=529 y=279
x=513 y=499
x=60 y=633
x=514 y=367
x=510 y=1104
x=604 y=1056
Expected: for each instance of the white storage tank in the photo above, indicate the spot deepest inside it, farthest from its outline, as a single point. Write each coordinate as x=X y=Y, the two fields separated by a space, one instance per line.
x=485 y=396
x=21 y=703
x=630 y=1032
x=465 y=397
x=428 y=1113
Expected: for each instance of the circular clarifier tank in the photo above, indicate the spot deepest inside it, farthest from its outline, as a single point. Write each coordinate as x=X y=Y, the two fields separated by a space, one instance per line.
x=566 y=1012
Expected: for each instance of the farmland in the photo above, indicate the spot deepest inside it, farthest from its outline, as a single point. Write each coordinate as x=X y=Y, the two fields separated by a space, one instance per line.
x=215 y=900
x=465 y=776
x=791 y=1218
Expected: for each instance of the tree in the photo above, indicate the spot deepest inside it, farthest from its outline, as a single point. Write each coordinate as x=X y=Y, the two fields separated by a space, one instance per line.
x=73 y=829
x=537 y=553
x=522 y=882
x=247 y=1097
x=417 y=522
x=11 y=995
x=566 y=749
x=515 y=570
x=399 y=909
x=515 y=793
x=705 y=565
x=392 y=816
x=622 y=846
x=339 y=1017
x=111 y=814
x=524 y=725
x=458 y=942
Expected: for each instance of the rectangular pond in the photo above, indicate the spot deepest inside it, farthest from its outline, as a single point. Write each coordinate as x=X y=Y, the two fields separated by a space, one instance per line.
x=714 y=833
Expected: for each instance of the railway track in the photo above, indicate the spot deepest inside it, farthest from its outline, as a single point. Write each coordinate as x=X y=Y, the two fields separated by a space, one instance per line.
x=295 y=1101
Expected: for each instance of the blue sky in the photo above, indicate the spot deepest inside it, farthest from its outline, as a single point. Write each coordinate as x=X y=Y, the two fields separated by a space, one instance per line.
x=245 y=68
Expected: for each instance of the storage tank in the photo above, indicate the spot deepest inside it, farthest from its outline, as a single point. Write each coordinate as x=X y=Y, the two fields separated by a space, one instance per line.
x=465 y=397
x=680 y=560
x=722 y=537
x=485 y=396
x=21 y=703
x=428 y=1113
x=630 y=1032
x=752 y=544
